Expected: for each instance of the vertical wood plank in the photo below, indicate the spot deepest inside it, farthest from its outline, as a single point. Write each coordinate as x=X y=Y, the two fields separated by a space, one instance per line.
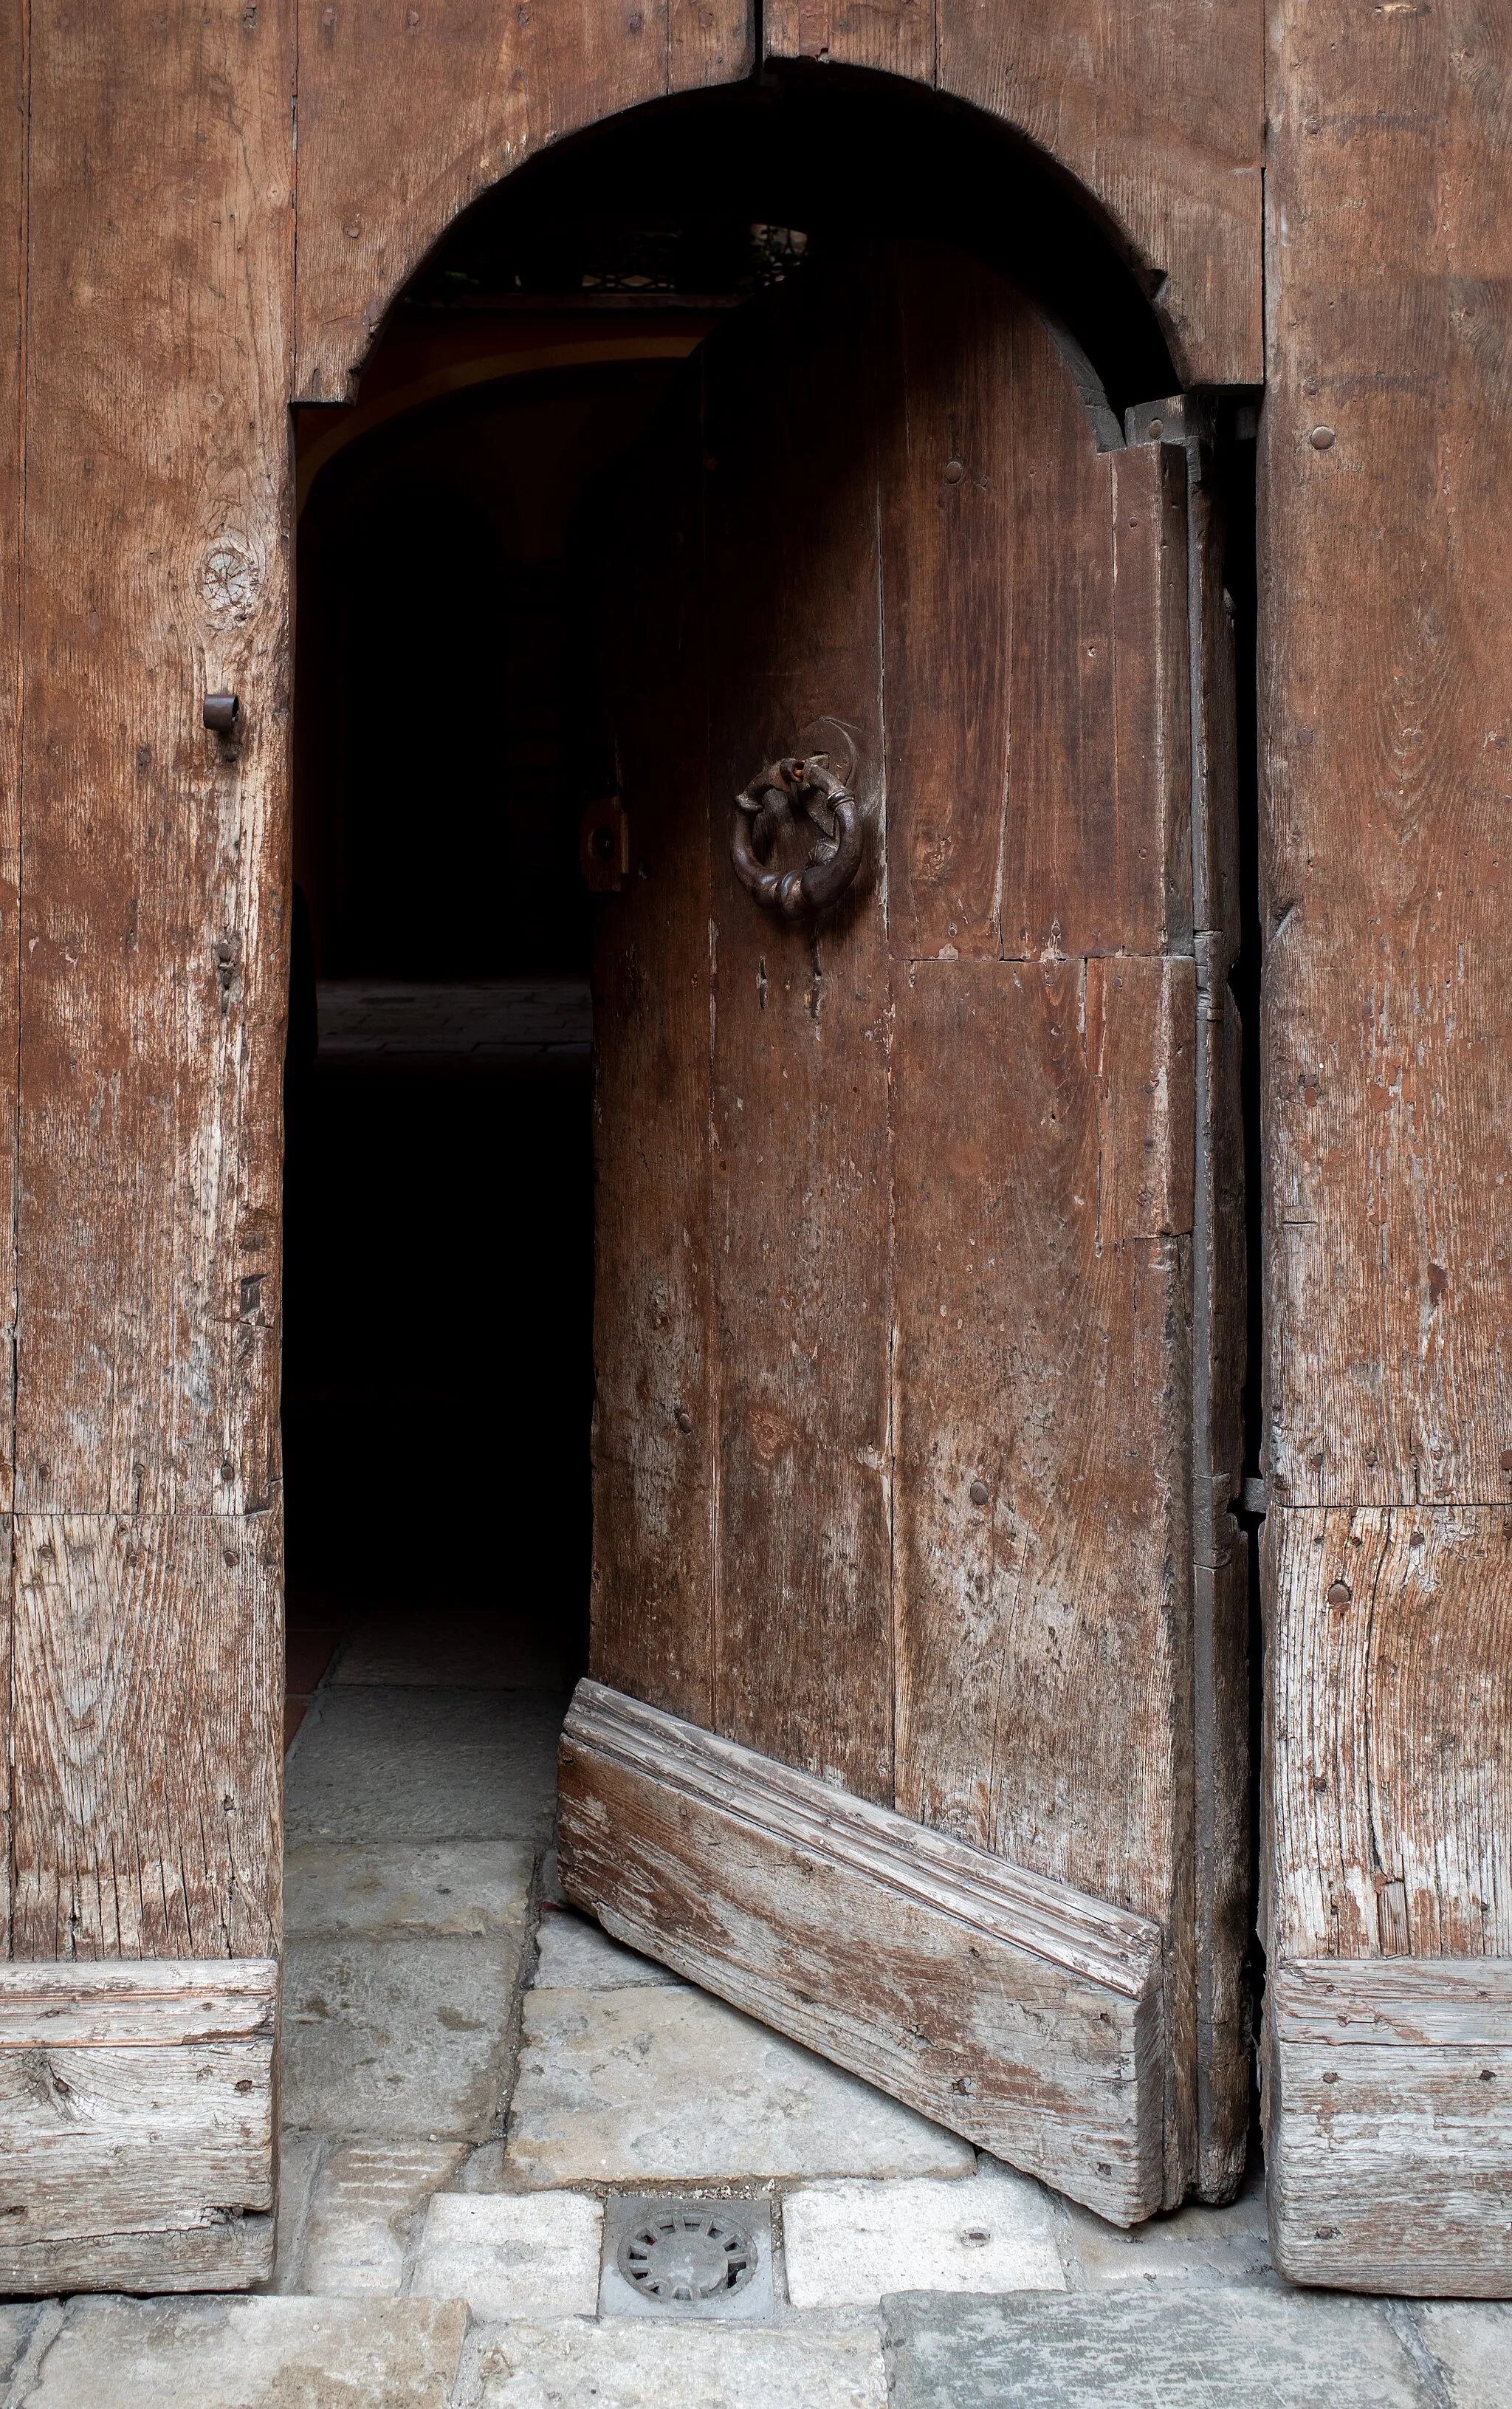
x=895 y=36
x=1161 y=112
x=14 y=78
x=656 y=1390
x=949 y=561
x=1042 y=1594
x=153 y=892
x=1385 y=587
x=801 y=1144
x=465 y=92
x=709 y=42
x=1152 y=688
x=1098 y=849
x=148 y=1708
x=1388 y=1739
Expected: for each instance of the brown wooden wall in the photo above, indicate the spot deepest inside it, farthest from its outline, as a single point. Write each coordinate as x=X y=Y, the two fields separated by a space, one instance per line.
x=153 y=333
x=1388 y=1036
x=1387 y=1054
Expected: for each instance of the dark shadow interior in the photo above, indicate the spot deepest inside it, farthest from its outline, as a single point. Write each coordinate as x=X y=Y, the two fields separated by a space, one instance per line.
x=438 y=1376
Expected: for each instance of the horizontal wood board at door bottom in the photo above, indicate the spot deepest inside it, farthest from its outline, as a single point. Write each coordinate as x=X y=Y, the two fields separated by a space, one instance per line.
x=137 y=2125
x=1388 y=2124
x=1012 y=2008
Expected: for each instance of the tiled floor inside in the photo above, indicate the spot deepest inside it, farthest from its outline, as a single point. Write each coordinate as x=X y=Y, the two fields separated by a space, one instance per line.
x=477 y=2082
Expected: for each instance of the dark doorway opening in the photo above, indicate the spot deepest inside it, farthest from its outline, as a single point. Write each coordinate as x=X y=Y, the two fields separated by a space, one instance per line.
x=438 y=1292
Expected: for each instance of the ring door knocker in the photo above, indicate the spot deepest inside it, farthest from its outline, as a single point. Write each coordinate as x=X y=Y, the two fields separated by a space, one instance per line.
x=779 y=793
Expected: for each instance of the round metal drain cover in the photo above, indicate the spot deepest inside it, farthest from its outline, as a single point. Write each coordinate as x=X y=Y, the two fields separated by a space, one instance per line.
x=684 y=2254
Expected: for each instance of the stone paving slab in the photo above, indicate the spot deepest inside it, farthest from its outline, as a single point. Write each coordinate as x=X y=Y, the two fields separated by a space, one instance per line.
x=533 y=2256
x=401 y=1890
x=1469 y=2343
x=252 y=2354
x=424 y=1764
x=399 y=2038
x=846 y=2244
x=364 y=2204
x=485 y=1650
x=633 y=2365
x=577 y=1956
x=1247 y=2349
x=1193 y=2246
x=673 y=2087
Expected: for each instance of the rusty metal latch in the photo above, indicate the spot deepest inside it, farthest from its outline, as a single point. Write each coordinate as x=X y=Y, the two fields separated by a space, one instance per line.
x=777 y=795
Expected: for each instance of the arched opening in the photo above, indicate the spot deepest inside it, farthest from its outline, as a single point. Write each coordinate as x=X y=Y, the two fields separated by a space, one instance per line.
x=441 y=776
x=462 y=766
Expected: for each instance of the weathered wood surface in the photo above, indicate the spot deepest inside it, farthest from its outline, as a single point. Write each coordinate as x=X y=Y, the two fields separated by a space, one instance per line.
x=1157 y=111
x=655 y=1396
x=137 y=2107
x=1159 y=115
x=1388 y=2124
x=947 y=1384
x=801 y=1153
x=463 y=91
x=1223 y=1871
x=148 y=1669
x=1014 y=2010
x=1389 y=1736
x=153 y=916
x=14 y=32
x=1387 y=580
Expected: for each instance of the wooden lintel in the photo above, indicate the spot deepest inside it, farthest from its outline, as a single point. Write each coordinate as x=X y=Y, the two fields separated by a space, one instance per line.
x=1011 y=2008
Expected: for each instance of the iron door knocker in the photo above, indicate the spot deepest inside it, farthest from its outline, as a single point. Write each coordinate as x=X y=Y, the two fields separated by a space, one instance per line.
x=778 y=794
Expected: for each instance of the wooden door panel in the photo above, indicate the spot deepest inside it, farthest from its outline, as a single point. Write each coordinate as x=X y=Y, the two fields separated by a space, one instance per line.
x=1043 y=1414
x=800 y=1138
x=655 y=1400
x=900 y=1500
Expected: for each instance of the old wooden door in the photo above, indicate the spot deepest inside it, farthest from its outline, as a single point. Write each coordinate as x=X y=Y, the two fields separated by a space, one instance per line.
x=895 y=1729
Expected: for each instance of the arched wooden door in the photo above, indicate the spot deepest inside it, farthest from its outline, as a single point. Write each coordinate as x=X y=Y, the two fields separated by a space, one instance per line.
x=900 y=1670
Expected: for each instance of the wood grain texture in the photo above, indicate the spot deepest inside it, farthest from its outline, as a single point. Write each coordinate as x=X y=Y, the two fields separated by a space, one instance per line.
x=1223 y=1870
x=1159 y=112
x=149 y=1700
x=1388 y=1739
x=137 y=2126
x=656 y=1398
x=1389 y=2124
x=1159 y=116
x=465 y=91
x=1044 y=1671
x=1012 y=2008
x=14 y=81
x=954 y=1196
x=154 y=935
x=800 y=1133
x=1387 y=580
x=1098 y=849
x=951 y=370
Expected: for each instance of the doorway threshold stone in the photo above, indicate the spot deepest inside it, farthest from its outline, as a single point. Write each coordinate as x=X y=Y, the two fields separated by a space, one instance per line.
x=406 y=1890
x=403 y=2040
x=663 y=2086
